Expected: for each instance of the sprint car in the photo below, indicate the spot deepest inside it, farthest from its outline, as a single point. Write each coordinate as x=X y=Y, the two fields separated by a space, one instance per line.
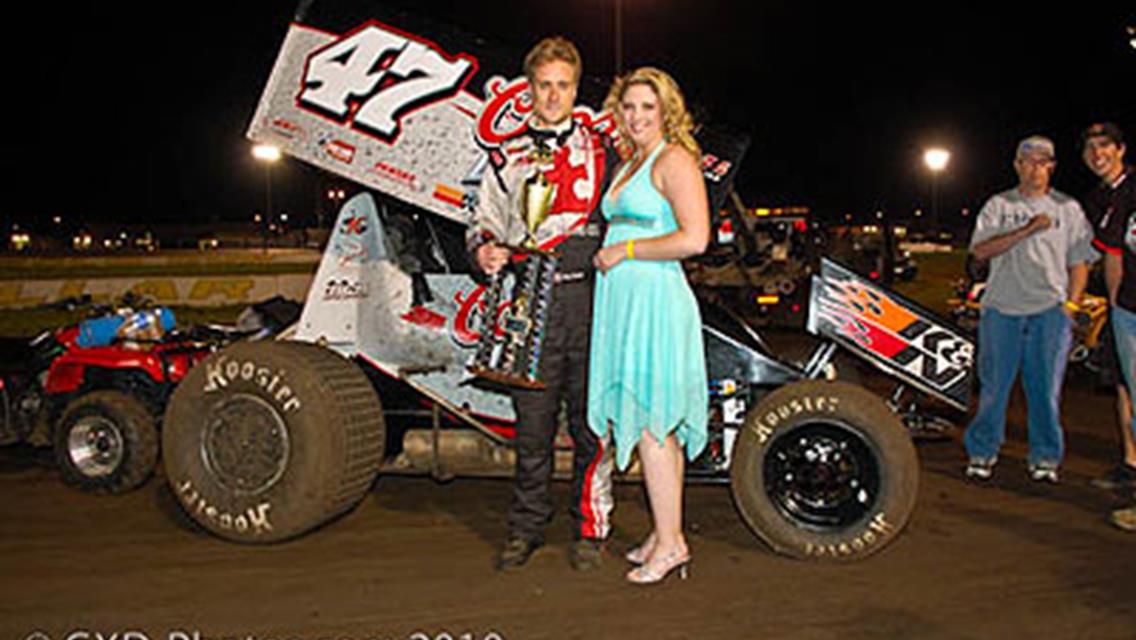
x=265 y=441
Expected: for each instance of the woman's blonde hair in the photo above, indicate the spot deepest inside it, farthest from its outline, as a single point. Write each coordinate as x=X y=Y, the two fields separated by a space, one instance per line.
x=677 y=122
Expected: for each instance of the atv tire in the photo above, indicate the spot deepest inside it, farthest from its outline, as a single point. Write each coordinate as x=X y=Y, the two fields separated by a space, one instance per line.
x=106 y=442
x=264 y=441
x=824 y=471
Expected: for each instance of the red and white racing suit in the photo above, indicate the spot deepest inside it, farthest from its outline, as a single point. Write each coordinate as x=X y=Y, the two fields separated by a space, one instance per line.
x=580 y=167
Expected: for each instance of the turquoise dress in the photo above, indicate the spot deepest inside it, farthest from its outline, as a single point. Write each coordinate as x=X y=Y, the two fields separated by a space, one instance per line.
x=647 y=368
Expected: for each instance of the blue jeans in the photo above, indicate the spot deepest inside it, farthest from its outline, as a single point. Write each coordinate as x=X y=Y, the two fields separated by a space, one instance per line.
x=1124 y=330
x=1038 y=345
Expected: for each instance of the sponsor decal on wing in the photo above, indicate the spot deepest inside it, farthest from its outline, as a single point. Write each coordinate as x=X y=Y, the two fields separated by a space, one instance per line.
x=892 y=333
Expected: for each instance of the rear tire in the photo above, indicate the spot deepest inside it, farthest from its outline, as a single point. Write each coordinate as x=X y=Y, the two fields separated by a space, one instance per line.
x=824 y=471
x=265 y=441
x=106 y=442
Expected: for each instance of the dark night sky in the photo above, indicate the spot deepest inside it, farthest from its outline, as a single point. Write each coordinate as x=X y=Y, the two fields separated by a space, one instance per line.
x=119 y=113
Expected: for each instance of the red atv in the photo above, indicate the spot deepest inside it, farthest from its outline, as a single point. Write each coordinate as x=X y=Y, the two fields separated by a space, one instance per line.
x=95 y=392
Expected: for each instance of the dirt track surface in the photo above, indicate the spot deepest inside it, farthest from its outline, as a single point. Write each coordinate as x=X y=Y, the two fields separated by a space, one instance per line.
x=1005 y=560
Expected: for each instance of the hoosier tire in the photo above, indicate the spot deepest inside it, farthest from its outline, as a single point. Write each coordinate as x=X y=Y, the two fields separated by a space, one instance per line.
x=105 y=442
x=264 y=441
x=824 y=471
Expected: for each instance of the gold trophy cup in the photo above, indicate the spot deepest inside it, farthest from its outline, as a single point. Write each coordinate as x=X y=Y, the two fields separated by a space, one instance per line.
x=536 y=202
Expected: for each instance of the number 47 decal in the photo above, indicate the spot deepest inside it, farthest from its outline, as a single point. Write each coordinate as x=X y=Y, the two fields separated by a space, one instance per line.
x=374 y=76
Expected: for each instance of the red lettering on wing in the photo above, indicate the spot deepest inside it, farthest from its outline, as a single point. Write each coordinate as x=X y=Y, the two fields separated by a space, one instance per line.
x=504 y=106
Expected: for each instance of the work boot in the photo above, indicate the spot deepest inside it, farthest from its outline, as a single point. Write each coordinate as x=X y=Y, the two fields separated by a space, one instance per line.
x=516 y=552
x=586 y=554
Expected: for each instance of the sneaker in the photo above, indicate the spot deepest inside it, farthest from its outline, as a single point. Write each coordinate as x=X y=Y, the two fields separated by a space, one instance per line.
x=981 y=468
x=1043 y=472
x=586 y=554
x=516 y=552
x=1125 y=518
x=1122 y=476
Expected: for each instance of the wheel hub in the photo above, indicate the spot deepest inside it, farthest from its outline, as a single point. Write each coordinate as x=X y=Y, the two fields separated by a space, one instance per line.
x=822 y=475
x=246 y=444
x=96 y=446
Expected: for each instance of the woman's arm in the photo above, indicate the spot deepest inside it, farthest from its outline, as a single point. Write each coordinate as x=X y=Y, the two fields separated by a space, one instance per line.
x=677 y=177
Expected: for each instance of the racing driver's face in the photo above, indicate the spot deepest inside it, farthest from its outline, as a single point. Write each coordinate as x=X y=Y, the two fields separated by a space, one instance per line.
x=554 y=92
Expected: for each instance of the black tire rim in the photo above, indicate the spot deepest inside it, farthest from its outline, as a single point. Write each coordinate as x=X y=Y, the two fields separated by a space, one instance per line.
x=822 y=476
x=246 y=444
x=96 y=446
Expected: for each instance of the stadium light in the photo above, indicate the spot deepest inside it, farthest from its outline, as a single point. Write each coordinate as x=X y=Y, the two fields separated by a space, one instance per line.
x=936 y=159
x=269 y=155
x=266 y=153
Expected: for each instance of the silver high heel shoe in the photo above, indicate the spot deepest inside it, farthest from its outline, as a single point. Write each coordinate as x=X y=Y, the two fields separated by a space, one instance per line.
x=638 y=555
x=654 y=572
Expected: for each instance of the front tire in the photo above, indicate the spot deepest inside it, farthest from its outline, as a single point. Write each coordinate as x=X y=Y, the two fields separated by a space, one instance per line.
x=824 y=471
x=265 y=441
x=106 y=442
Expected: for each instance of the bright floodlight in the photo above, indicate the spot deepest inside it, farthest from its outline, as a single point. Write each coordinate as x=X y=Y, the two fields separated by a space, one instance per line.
x=936 y=159
x=266 y=152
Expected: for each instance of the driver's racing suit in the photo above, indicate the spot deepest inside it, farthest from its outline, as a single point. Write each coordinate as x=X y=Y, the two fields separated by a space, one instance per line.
x=579 y=168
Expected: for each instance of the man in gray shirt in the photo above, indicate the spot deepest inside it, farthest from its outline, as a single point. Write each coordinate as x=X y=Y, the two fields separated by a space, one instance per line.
x=1039 y=245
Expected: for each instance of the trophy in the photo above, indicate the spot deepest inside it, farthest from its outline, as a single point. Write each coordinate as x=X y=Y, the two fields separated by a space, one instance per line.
x=510 y=345
x=536 y=201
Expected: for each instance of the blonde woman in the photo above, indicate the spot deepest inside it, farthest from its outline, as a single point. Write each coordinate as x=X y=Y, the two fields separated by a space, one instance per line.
x=647 y=374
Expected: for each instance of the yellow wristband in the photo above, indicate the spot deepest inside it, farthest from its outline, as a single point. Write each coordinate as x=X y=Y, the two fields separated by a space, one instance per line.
x=630 y=249
x=1072 y=306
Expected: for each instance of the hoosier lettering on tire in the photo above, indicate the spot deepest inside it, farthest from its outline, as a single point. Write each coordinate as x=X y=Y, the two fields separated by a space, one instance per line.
x=823 y=470
x=264 y=441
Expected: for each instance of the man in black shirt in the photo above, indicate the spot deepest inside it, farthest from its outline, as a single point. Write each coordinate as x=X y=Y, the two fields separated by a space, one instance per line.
x=1114 y=197
x=1115 y=226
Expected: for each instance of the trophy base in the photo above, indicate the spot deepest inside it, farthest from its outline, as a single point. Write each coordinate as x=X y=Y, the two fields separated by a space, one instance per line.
x=509 y=379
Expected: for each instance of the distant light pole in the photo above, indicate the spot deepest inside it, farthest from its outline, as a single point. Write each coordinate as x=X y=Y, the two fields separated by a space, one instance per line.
x=936 y=160
x=336 y=197
x=268 y=155
x=618 y=37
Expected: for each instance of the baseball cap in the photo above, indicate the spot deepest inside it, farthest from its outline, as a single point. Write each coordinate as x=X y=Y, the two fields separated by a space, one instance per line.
x=1036 y=145
x=1106 y=129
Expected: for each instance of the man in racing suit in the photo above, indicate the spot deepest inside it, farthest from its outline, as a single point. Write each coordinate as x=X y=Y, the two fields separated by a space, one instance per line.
x=576 y=160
